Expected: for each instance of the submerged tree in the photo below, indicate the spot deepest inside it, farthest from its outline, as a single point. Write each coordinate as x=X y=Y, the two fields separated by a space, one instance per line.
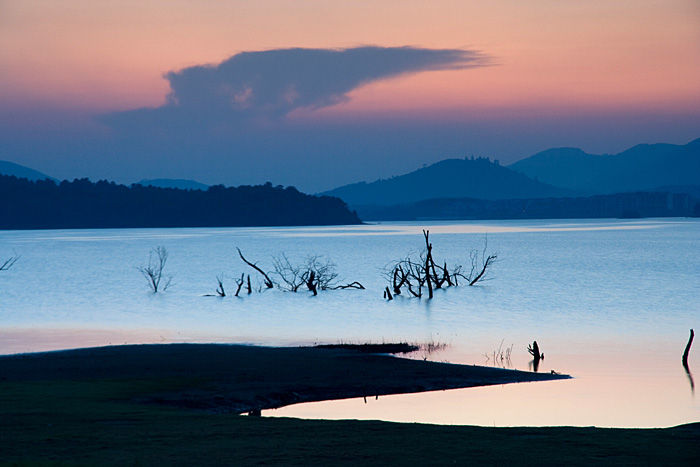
x=268 y=282
x=315 y=272
x=153 y=272
x=9 y=262
x=415 y=275
x=481 y=262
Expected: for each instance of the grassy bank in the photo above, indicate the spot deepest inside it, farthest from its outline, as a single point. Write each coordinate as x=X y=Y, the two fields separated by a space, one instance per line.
x=99 y=416
x=94 y=423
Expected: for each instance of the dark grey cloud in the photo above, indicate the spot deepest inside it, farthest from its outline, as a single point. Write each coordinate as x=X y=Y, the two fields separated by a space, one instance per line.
x=271 y=84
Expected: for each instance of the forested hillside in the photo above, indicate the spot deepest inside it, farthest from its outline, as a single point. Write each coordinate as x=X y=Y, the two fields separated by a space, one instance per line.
x=45 y=204
x=451 y=178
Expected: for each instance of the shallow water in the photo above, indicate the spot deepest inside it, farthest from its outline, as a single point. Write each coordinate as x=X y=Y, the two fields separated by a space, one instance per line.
x=609 y=301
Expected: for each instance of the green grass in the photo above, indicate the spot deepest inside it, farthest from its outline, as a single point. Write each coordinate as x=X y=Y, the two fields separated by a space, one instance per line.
x=96 y=423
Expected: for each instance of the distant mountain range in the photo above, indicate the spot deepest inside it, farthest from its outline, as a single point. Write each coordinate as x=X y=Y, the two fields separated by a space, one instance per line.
x=454 y=185
x=555 y=173
x=452 y=178
x=643 y=167
x=20 y=171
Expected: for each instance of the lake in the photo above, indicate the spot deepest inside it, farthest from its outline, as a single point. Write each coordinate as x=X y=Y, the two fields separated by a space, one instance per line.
x=609 y=302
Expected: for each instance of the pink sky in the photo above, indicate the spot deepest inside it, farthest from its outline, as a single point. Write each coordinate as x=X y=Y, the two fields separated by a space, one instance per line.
x=550 y=58
x=549 y=54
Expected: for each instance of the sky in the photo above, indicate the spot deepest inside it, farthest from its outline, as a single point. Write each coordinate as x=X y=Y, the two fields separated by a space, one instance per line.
x=321 y=93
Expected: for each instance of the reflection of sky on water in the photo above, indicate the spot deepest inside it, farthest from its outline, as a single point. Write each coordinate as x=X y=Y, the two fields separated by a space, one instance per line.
x=395 y=228
x=606 y=391
x=639 y=387
x=609 y=301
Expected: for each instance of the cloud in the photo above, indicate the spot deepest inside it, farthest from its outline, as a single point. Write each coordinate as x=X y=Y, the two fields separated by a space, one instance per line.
x=268 y=85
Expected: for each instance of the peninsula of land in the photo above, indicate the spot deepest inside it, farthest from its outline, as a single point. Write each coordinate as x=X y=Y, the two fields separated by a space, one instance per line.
x=178 y=404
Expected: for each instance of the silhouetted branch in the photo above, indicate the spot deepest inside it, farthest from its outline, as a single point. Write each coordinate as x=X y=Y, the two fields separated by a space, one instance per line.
x=317 y=273
x=480 y=264
x=414 y=275
x=309 y=278
x=220 y=288
x=291 y=276
x=9 y=262
x=687 y=349
x=239 y=283
x=154 y=271
x=685 y=362
x=352 y=285
x=268 y=283
x=537 y=356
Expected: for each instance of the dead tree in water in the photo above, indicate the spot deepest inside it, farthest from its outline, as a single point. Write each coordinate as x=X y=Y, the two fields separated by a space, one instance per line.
x=687 y=349
x=536 y=355
x=414 y=275
x=291 y=276
x=316 y=273
x=239 y=283
x=8 y=264
x=685 y=361
x=220 y=288
x=309 y=279
x=156 y=279
x=268 y=283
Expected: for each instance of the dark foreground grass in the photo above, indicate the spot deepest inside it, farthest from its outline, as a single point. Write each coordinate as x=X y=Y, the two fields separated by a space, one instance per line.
x=97 y=423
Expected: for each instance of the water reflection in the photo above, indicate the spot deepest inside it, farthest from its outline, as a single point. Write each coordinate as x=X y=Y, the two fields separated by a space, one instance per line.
x=641 y=389
x=617 y=343
x=604 y=391
x=690 y=377
x=501 y=356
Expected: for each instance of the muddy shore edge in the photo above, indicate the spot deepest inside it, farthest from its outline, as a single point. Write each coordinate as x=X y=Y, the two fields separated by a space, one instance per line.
x=226 y=378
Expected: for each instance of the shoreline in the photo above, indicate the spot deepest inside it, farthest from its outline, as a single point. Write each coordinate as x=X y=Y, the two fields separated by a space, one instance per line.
x=232 y=378
x=168 y=404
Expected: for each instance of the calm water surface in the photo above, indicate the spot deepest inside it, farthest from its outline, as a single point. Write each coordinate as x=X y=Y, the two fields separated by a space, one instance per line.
x=610 y=302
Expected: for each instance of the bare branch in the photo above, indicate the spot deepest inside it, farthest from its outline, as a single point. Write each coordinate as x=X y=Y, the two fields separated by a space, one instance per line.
x=316 y=273
x=220 y=288
x=239 y=283
x=268 y=282
x=9 y=262
x=291 y=276
x=481 y=262
x=425 y=272
x=352 y=285
x=157 y=281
